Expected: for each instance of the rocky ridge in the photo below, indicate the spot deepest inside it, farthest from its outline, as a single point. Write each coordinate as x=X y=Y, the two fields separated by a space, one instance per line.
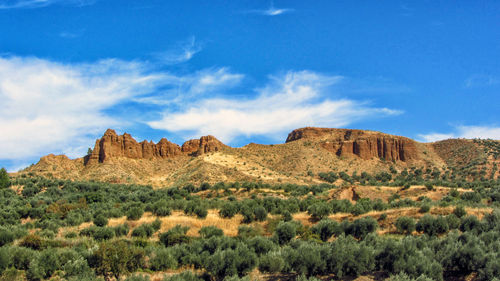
x=364 y=144
x=112 y=146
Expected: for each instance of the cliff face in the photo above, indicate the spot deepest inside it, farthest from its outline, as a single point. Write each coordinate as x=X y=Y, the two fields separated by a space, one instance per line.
x=112 y=146
x=363 y=144
x=203 y=145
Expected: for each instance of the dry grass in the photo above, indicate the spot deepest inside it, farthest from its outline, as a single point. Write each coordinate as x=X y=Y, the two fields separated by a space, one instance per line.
x=229 y=226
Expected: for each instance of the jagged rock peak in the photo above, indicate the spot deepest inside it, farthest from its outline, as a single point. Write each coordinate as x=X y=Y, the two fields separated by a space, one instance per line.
x=112 y=145
x=360 y=143
x=203 y=145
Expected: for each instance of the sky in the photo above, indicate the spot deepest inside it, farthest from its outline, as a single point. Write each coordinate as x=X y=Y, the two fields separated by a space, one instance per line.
x=243 y=71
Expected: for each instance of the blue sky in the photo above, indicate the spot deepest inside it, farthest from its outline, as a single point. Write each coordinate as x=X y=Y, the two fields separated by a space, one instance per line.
x=244 y=71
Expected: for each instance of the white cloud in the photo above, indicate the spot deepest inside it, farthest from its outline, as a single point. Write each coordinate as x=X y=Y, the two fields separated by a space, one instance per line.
x=31 y=4
x=272 y=11
x=288 y=102
x=275 y=12
x=193 y=86
x=51 y=107
x=182 y=52
x=468 y=132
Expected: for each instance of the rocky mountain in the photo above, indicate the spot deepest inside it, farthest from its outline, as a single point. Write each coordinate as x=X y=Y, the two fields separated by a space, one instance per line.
x=112 y=146
x=305 y=153
x=364 y=144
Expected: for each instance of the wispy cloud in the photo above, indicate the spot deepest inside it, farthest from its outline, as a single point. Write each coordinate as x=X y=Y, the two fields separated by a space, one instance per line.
x=181 y=52
x=71 y=34
x=290 y=101
x=468 y=132
x=31 y=4
x=178 y=89
x=481 y=80
x=271 y=11
x=50 y=107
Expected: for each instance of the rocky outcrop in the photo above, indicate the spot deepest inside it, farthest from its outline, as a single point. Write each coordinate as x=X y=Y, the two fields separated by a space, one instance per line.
x=203 y=145
x=112 y=145
x=364 y=144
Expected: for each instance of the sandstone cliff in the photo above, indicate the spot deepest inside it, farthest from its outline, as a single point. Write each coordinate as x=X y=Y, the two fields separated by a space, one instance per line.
x=112 y=145
x=363 y=144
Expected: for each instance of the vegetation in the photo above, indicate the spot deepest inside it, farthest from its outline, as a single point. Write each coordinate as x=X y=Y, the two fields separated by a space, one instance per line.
x=72 y=230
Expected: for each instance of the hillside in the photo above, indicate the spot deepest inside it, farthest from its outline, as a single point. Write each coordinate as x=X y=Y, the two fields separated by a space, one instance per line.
x=306 y=153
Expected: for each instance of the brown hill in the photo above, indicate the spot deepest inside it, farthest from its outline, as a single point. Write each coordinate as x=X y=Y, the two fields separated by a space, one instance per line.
x=306 y=152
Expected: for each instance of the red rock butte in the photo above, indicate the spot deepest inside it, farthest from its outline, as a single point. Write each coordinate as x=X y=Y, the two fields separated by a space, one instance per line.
x=361 y=143
x=112 y=145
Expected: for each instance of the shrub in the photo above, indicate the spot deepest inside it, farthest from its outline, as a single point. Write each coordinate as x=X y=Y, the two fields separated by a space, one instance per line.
x=260 y=245
x=4 y=178
x=117 y=257
x=135 y=213
x=32 y=241
x=405 y=225
x=285 y=232
x=162 y=211
x=326 y=228
x=432 y=226
x=6 y=236
x=228 y=210
x=100 y=220
x=319 y=210
x=103 y=233
x=4 y=259
x=425 y=208
x=246 y=232
x=231 y=262
x=175 y=235
x=210 y=231
x=162 y=260
x=360 y=228
x=121 y=230
x=78 y=269
x=459 y=211
x=272 y=262
x=44 y=265
x=144 y=230
x=471 y=223
x=260 y=213
x=201 y=212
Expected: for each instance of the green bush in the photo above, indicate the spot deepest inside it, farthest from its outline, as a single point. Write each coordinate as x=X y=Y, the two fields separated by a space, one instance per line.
x=326 y=228
x=135 y=213
x=260 y=213
x=161 y=260
x=6 y=236
x=271 y=262
x=405 y=225
x=319 y=210
x=100 y=220
x=210 y=231
x=228 y=210
x=425 y=208
x=121 y=230
x=360 y=228
x=4 y=178
x=285 y=232
x=459 y=211
x=175 y=235
x=231 y=262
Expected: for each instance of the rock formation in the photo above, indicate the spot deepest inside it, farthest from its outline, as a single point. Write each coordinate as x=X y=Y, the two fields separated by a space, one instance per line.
x=112 y=146
x=364 y=144
x=203 y=145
